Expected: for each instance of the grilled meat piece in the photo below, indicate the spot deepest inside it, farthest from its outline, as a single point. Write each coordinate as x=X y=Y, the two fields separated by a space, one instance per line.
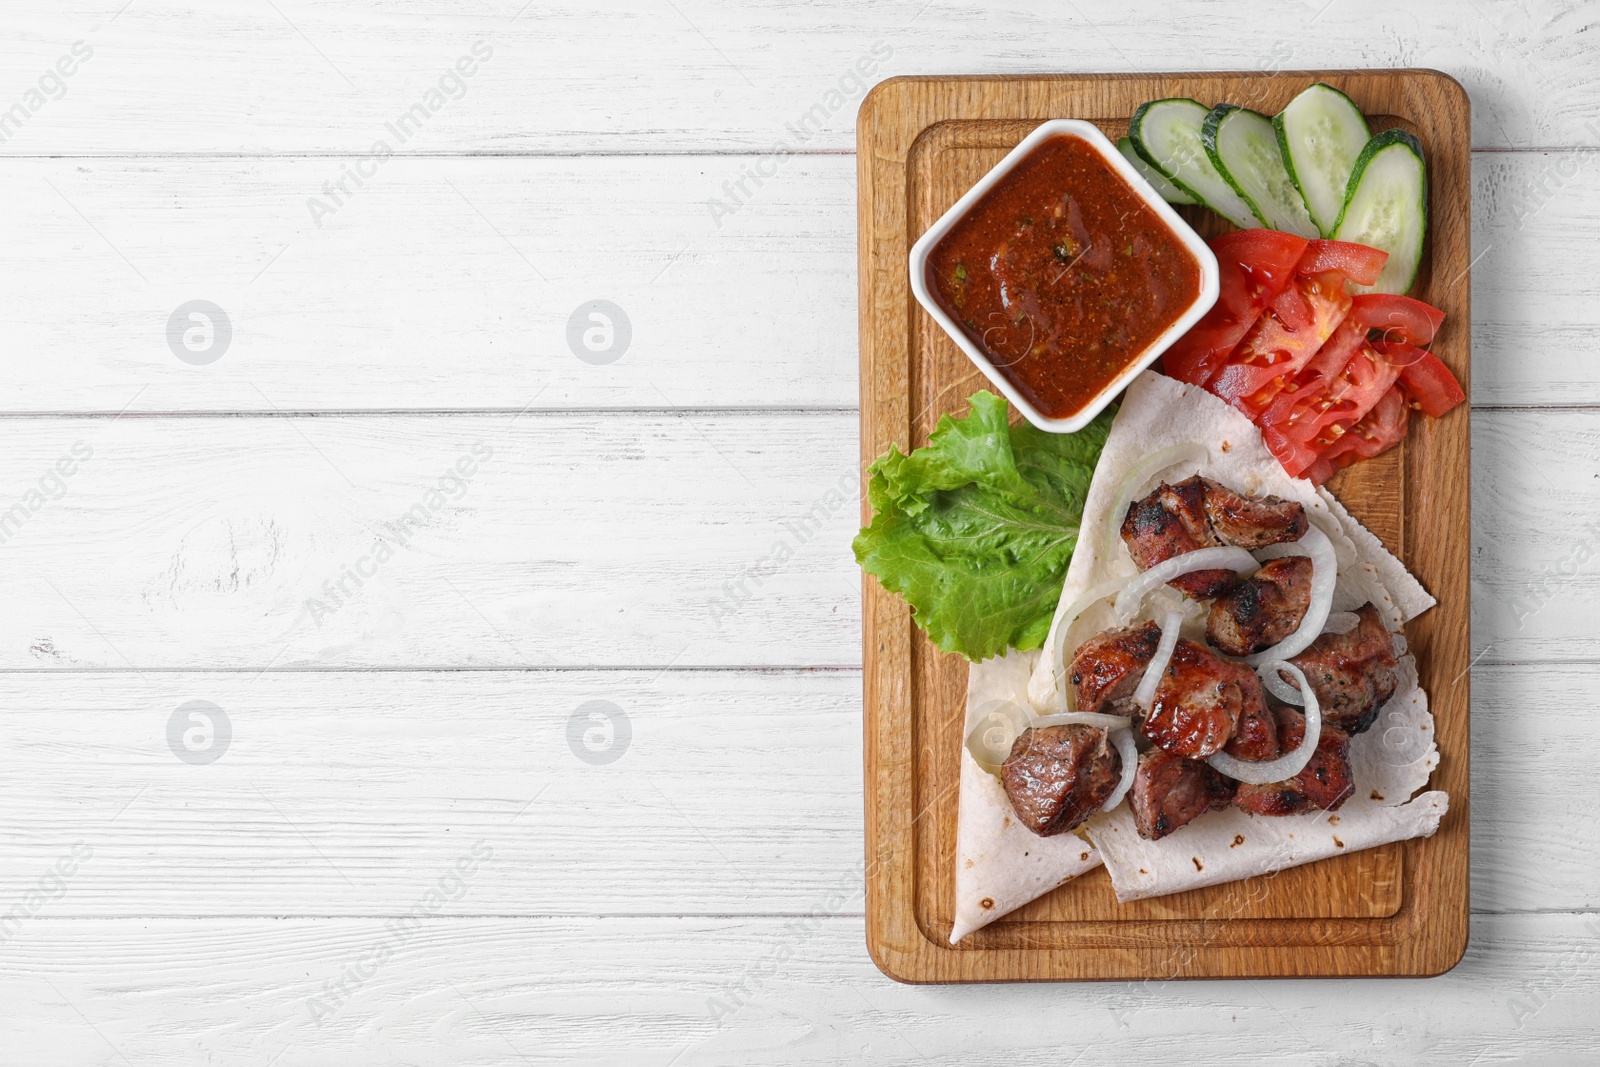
x=1253 y=523
x=1169 y=522
x=1256 y=736
x=1199 y=513
x=1106 y=668
x=1263 y=609
x=1352 y=674
x=1058 y=776
x=1199 y=701
x=1170 y=791
x=1325 y=783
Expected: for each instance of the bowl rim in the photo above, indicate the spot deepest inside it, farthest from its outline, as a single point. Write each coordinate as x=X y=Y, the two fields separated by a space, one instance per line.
x=1087 y=131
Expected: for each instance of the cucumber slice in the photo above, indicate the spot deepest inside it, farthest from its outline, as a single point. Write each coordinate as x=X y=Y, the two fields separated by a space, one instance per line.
x=1167 y=134
x=1388 y=207
x=1158 y=181
x=1244 y=149
x=1321 y=133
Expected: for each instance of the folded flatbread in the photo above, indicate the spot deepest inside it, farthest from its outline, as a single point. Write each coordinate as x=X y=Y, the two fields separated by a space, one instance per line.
x=1390 y=761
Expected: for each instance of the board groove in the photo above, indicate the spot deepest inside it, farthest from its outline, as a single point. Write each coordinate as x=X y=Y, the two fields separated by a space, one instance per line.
x=1399 y=909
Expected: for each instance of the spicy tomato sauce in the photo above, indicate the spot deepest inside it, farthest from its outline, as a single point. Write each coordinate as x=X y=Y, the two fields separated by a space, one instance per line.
x=1062 y=275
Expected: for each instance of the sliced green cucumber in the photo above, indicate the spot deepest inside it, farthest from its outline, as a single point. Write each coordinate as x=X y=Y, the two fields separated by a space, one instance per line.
x=1244 y=149
x=1166 y=133
x=1388 y=207
x=1158 y=181
x=1321 y=133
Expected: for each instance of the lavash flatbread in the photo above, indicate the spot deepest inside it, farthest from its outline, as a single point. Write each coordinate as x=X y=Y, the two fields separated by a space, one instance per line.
x=1389 y=762
x=1001 y=865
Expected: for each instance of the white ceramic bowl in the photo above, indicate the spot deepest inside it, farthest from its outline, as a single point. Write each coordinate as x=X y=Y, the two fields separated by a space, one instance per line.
x=1088 y=132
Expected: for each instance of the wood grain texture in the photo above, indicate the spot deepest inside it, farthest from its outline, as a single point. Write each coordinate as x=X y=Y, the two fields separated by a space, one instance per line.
x=237 y=542
x=755 y=309
x=921 y=144
x=343 y=793
x=303 y=77
x=730 y=993
x=379 y=776
x=181 y=140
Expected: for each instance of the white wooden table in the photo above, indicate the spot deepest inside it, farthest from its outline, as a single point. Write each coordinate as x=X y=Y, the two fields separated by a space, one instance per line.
x=401 y=829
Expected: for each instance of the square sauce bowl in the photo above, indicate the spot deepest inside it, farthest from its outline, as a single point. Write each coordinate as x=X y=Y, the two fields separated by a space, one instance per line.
x=1062 y=274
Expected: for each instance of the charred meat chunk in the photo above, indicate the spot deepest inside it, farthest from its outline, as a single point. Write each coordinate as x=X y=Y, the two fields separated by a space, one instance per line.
x=1256 y=736
x=1352 y=674
x=1199 y=513
x=1199 y=701
x=1263 y=609
x=1170 y=791
x=1250 y=523
x=1324 y=783
x=1106 y=668
x=1058 y=776
x=1170 y=522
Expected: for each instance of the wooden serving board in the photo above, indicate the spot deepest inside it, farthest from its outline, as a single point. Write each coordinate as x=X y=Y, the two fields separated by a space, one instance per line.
x=1396 y=910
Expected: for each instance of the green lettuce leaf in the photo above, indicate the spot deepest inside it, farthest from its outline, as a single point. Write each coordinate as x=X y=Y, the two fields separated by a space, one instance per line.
x=975 y=530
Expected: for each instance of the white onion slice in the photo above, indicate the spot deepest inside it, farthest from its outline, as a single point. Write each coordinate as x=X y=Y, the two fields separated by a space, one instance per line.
x=1280 y=688
x=1058 y=634
x=1129 y=752
x=1147 y=469
x=1265 y=772
x=1098 y=720
x=997 y=726
x=1201 y=559
x=1324 y=573
x=1146 y=692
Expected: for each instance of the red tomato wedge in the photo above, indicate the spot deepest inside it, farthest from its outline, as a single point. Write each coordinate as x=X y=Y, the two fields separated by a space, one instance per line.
x=1301 y=426
x=1359 y=263
x=1378 y=431
x=1330 y=378
x=1272 y=353
x=1429 y=383
x=1254 y=266
x=1292 y=308
x=1400 y=318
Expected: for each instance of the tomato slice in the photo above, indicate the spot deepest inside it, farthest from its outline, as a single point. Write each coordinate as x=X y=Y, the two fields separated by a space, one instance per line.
x=1292 y=308
x=1303 y=425
x=1378 y=431
x=1254 y=266
x=1273 y=352
x=1400 y=318
x=1359 y=263
x=1429 y=383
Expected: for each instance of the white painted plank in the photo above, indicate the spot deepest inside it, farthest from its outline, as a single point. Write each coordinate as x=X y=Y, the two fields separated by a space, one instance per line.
x=644 y=991
x=1536 y=535
x=583 y=540
x=702 y=74
x=450 y=284
x=659 y=540
x=332 y=793
x=348 y=794
x=439 y=284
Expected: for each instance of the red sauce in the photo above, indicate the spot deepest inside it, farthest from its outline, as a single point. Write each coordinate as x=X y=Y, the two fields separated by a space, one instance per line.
x=1062 y=275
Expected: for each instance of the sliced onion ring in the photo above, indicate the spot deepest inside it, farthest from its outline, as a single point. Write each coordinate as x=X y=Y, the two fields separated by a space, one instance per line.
x=1280 y=688
x=1146 y=692
x=1148 y=468
x=1265 y=772
x=1058 y=633
x=1324 y=573
x=1201 y=559
x=1098 y=720
x=995 y=727
x=1129 y=752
